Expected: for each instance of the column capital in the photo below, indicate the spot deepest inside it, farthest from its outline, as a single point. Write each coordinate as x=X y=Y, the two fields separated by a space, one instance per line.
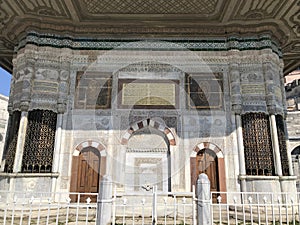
x=237 y=109
x=24 y=106
x=61 y=108
x=10 y=108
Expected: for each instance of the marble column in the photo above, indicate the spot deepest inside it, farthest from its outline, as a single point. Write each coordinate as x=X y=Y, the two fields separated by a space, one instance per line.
x=63 y=90
x=276 y=145
x=236 y=101
x=56 y=151
x=20 y=142
x=26 y=74
x=174 y=173
x=242 y=167
x=290 y=161
x=269 y=75
x=57 y=143
x=289 y=154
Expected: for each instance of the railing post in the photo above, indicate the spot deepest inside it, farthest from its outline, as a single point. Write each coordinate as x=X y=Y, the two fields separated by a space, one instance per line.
x=203 y=203
x=154 y=205
x=104 y=201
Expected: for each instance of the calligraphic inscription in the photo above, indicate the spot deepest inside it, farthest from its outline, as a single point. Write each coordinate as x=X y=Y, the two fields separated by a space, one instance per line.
x=148 y=94
x=205 y=91
x=45 y=86
x=248 y=89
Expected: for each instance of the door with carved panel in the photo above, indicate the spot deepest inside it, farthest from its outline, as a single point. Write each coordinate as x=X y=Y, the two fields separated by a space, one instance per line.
x=206 y=162
x=88 y=173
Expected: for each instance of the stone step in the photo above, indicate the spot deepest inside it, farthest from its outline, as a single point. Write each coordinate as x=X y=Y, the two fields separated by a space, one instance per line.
x=148 y=221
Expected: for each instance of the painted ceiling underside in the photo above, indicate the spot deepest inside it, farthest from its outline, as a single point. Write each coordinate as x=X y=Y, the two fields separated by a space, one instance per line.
x=152 y=19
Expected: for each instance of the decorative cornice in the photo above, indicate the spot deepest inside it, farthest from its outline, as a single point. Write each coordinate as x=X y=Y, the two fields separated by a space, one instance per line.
x=174 y=44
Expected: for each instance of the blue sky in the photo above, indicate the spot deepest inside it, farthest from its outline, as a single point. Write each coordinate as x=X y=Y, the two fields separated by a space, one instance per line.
x=5 y=78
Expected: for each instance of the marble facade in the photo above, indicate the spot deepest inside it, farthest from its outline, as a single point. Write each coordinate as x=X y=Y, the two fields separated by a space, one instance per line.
x=133 y=105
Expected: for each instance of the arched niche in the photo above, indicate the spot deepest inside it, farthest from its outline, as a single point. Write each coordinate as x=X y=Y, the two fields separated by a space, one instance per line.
x=209 y=159
x=148 y=160
x=88 y=166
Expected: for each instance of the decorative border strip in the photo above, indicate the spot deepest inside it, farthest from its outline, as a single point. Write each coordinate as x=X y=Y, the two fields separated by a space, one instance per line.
x=147 y=150
x=168 y=44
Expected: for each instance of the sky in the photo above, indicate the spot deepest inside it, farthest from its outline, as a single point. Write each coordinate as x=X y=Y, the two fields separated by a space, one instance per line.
x=5 y=78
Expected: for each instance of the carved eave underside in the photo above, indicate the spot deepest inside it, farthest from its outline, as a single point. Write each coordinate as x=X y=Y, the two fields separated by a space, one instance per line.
x=152 y=19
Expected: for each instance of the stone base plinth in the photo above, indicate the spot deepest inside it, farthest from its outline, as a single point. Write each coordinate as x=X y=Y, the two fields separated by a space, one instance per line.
x=24 y=185
x=273 y=184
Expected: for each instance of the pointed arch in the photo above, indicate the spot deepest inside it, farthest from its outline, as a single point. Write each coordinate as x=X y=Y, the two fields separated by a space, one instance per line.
x=148 y=123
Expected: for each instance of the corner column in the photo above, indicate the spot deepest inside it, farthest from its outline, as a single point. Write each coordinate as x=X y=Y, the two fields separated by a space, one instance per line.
x=57 y=143
x=64 y=77
x=174 y=172
x=236 y=101
x=21 y=140
x=269 y=74
x=25 y=80
x=242 y=167
x=276 y=145
x=291 y=171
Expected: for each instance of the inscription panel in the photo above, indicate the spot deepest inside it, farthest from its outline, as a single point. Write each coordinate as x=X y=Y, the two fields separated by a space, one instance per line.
x=205 y=91
x=148 y=94
x=93 y=91
x=250 y=89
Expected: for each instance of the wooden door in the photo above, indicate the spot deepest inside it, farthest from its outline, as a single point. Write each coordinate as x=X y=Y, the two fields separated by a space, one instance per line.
x=88 y=173
x=206 y=162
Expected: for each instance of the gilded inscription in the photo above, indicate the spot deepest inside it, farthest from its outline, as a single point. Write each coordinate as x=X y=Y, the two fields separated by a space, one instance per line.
x=147 y=94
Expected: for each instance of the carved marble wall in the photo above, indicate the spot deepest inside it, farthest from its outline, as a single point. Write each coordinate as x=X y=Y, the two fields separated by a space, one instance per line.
x=247 y=78
x=40 y=80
